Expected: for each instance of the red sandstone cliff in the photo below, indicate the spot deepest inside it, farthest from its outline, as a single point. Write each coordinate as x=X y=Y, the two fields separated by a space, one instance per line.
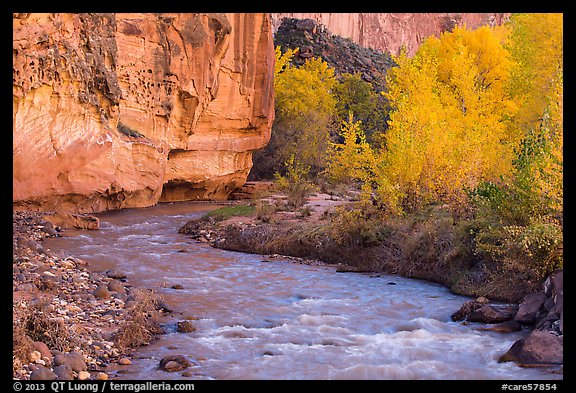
x=125 y=110
x=390 y=31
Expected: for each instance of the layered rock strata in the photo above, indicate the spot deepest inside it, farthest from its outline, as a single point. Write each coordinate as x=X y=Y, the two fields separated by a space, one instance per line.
x=389 y=32
x=124 y=110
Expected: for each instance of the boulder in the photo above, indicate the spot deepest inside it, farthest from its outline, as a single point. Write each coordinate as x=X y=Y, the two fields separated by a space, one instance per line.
x=73 y=359
x=306 y=25
x=504 y=327
x=102 y=292
x=530 y=308
x=125 y=361
x=467 y=308
x=251 y=189
x=84 y=375
x=538 y=348
x=43 y=349
x=491 y=314
x=79 y=221
x=42 y=374
x=118 y=275
x=174 y=363
x=554 y=283
x=116 y=286
x=63 y=372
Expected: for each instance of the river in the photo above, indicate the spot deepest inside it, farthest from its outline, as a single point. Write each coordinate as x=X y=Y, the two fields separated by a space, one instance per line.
x=268 y=318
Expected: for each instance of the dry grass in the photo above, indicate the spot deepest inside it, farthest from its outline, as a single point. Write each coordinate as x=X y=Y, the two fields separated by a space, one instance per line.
x=435 y=245
x=265 y=211
x=34 y=324
x=21 y=344
x=140 y=323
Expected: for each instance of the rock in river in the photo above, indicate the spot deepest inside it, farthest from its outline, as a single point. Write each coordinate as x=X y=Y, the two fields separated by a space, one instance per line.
x=538 y=348
x=73 y=359
x=174 y=363
x=530 y=308
x=491 y=314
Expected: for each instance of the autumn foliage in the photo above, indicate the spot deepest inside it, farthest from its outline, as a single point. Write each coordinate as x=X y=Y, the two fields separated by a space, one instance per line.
x=476 y=124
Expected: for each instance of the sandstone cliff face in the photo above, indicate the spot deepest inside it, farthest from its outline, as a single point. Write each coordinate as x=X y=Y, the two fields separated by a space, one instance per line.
x=124 y=110
x=390 y=31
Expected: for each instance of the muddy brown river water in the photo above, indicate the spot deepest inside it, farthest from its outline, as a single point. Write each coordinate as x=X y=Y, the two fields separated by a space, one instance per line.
x=270 y=318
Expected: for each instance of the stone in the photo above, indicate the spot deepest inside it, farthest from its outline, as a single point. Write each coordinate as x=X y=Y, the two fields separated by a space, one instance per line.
x=67 y=264
x=102 y=376
x=549 y=303
x=554 y=283
x=46 y=224
x=177 y=286
x=174 y=363
x=116 y=274
x=73 y=359
x=124 y=361
x=546 y=322
x=42 y=374
x=504 y=327
x=185 y=327
x=559 y=302
x=102 y=292
x=96 y=276
x=35 y=356
x=33 y=245
x=84 y=375
x=163 y=306
x=120 y=296
x=538 y=348
x=530 y=308
x=490 y=314
x=251 y=190
x=116 y=286
x=50 y=231
x=306 y=25
x=467 y=308
x=78 y=221
x=63 y=372
x=178 y=103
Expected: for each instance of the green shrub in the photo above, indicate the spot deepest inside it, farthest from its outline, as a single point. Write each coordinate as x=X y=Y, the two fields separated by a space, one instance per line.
x=295 y=183
x=226 y=212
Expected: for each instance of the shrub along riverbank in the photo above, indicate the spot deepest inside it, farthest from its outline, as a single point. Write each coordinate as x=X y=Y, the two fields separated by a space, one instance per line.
x=435 y=245
x=432 y=245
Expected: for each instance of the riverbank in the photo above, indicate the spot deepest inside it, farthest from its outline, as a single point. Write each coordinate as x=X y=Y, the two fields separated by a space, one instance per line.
x=431 y=246
x=70 y=323
x=423 y=247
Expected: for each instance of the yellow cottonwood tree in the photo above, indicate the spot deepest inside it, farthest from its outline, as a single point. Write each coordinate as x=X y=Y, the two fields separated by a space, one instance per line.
x=305 y=109
x=448 y=128
x=353 y=159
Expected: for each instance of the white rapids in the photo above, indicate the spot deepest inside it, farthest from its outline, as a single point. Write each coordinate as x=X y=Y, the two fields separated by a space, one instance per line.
x=265 y=318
